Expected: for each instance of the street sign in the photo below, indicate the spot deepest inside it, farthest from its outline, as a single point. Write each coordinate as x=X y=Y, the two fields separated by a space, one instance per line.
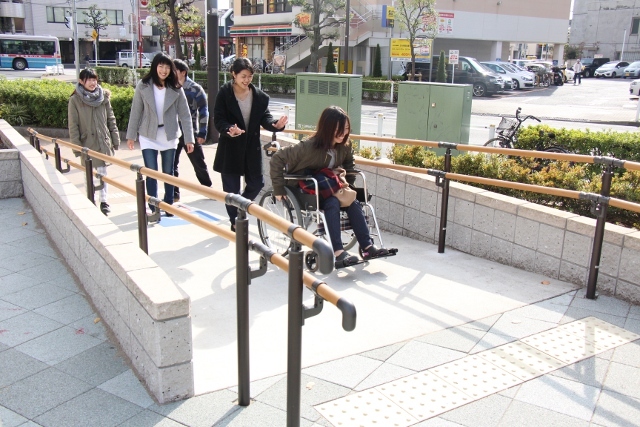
x=94 y=34
x=453 y=56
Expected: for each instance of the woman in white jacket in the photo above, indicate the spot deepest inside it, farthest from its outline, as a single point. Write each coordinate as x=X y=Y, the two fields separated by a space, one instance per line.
x=158 y=103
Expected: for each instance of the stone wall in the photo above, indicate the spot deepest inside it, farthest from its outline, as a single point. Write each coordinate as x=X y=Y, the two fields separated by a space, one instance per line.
x=10 y=181
x=148 y=314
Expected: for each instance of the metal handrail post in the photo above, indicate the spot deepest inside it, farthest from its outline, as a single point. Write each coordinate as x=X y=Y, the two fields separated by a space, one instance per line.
x=56 y=153
x=88 y=169
x=294 y=337
x=444 y=207
x=37 y=144
x=143 y=241
x=600 y=210
x=242 y=303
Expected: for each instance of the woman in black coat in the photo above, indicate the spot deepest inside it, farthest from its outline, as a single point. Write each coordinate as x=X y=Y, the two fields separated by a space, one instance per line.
x=240 y=110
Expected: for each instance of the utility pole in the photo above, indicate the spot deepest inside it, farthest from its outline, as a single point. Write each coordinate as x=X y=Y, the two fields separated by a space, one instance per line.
x=213 y=65
x=346 y=37
x=132 y=31
x=76 y=47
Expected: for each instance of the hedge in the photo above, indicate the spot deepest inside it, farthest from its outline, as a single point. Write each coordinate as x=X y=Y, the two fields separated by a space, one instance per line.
x=560 y=174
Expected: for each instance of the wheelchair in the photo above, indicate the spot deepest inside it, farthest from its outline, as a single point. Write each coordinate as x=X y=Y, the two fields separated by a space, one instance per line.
x=303 y=209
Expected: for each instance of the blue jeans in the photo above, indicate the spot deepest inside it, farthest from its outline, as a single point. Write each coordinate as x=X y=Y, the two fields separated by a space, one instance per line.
x=231 y=184
x=331 y=207
x=150 y=158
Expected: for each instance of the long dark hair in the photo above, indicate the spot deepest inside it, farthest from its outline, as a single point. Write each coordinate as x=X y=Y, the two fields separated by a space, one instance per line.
x=332 y=122
x=171 y=80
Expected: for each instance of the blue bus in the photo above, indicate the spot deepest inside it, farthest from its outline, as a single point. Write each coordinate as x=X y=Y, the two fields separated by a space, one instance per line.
x=20 y=51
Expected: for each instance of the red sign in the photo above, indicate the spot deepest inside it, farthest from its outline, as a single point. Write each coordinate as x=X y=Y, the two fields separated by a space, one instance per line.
x=144 y=3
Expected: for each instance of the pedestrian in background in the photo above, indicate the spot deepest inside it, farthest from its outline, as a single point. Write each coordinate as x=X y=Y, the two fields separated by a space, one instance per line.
x=577 y=69
x=92 y=124
x=240 y=110
x=197 y=101
x=158 y=101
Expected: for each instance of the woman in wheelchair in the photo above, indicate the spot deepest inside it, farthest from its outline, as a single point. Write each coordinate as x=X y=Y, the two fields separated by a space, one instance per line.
x=329 y=148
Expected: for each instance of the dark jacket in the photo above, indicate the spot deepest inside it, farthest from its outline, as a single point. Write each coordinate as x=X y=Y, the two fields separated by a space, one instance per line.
x=240 y=155
x=304 y=158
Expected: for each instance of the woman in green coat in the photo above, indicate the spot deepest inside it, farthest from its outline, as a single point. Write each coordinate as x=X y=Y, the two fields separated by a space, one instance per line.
x=92 y=123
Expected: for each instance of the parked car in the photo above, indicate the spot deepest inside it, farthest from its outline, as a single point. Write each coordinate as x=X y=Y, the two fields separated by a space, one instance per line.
x=590 y=65
x=521 y=62
x=569 y=74
x=521 y=79
x=634 y=88
x=611 y=69
x=125 y=58
x=633 y=70
x=227 y=61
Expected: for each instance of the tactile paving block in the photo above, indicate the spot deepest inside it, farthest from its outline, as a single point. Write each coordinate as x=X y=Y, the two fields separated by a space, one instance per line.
x=522 y=360
x=368 y=408
x=424 y=395
x=562 y=345
x=475 y=376
x=603 y=334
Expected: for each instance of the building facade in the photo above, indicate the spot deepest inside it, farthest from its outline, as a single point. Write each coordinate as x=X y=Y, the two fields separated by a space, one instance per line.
x=485 y=29
x=607 y=28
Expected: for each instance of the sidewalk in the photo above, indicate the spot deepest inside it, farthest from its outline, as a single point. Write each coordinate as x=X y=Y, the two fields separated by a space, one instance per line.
x=58 y=367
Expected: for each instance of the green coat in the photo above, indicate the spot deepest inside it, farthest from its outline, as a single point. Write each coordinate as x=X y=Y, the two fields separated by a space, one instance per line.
x=303 y=158
x=93 y=127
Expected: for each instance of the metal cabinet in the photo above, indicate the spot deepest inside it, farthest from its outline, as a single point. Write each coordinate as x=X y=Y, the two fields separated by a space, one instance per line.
x=316 y=91
x=434 y=112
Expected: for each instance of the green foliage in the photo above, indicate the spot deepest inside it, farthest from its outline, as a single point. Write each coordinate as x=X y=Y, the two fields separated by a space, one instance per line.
x=573 y=51
x=377 y=62
x=331 y=66
x=441 y=77
x=44 y=103
x=555 y=174
x=370 y=153
x=196 y=54
x=185 y=50
x=117 y=75
x=377 y=89
x=202 y=51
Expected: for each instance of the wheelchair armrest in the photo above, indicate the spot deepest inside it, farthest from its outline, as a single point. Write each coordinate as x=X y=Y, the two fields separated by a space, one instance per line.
x=290 y=176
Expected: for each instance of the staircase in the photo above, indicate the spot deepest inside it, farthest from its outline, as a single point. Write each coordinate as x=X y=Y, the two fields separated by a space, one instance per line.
x=365 y=18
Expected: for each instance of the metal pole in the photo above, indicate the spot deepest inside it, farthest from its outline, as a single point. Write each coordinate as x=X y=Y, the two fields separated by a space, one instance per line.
x=601 y=212
x=142 y=214
x=56 y=153
x=444 y=207
x=346 y=37
x=88 y=165
x=294 y=339
x=76 y=43
x=624 y=37
x=213 y=65
x=242 y=303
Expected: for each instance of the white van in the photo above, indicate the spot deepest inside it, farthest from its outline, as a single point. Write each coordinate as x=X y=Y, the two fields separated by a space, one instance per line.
x=124 y=58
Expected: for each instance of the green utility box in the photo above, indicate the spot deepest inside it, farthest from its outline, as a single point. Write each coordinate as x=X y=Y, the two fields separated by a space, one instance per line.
x=434 y=112
x=317 y=91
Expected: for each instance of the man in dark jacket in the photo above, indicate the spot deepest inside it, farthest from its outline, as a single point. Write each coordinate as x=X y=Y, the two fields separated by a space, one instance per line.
x=197 y=100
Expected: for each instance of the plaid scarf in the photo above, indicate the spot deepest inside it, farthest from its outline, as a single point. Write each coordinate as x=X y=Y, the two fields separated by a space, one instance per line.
x=328 y=183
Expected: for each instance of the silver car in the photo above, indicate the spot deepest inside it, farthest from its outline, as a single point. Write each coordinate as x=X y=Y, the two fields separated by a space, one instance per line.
x=632 y=70
x=521 y=79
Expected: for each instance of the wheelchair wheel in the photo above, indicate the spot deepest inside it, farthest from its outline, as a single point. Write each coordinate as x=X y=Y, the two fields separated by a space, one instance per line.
x=288 y=209
x=311 y=261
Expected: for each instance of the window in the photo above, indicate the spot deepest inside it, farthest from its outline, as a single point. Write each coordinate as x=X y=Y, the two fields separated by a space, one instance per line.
x=57 y=15
x=252 y=7
x=254 y=48
x=11 y=47
x=635 y=23
x=278 y=6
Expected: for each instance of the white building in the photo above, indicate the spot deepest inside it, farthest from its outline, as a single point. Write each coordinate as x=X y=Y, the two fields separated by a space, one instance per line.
x=485 y=29
x=606 y=28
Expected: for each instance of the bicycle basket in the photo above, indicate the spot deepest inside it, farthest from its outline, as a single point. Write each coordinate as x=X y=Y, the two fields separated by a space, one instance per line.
x=506 y=124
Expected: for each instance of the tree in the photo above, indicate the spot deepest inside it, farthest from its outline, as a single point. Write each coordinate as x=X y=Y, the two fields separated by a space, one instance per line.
x=96 y=20
x=185 y=52
x=319 y=21
x=331 y=67
x=420 y=19
x=441 y=77
x=377 y=63
x=573 y=51
x=180 y=14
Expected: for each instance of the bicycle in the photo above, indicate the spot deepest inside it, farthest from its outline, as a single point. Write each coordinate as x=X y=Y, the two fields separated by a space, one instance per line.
x=508 y=131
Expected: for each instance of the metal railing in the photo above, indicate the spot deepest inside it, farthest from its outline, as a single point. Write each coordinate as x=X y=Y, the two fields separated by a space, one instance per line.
x=600 y=202
x=297 y=277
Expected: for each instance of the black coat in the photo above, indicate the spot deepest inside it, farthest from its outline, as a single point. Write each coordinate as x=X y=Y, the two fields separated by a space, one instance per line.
x=240 y=155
